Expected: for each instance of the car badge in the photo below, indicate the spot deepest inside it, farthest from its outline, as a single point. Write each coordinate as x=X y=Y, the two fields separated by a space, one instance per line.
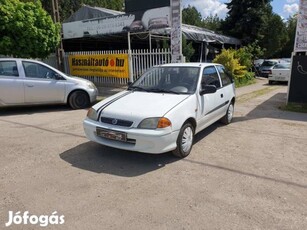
x=114 y=121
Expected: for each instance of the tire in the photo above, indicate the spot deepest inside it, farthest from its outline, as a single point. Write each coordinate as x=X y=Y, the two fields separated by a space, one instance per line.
x=79 y=100
x=270 y=82
x=229 y=114
x=184 y=141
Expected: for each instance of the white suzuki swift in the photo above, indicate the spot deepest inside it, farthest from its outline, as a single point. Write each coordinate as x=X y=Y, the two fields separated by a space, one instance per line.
x=163 y=109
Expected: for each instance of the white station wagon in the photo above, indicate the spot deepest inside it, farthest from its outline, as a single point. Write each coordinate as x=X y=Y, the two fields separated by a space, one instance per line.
x=163 y=109
x=30 y=82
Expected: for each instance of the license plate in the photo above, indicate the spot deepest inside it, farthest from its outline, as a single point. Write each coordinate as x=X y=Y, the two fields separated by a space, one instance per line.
x=280 y=78
x=112 y=135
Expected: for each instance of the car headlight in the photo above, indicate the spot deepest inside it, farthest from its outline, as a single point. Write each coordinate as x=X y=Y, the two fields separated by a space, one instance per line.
x=154 y=123
x=92 y=114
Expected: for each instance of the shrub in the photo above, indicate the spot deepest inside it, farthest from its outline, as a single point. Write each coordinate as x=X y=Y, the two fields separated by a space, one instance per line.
x=237 y=62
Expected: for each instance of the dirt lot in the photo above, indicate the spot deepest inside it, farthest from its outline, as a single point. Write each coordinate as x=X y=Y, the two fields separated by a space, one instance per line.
x=251 y=174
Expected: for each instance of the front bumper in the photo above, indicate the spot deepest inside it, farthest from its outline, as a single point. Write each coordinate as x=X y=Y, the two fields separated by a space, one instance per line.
x=141 y=140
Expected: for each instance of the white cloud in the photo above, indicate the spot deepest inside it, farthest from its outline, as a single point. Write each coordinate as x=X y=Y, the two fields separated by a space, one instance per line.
x=291 y=1
x=291 y=8
x=208 y=7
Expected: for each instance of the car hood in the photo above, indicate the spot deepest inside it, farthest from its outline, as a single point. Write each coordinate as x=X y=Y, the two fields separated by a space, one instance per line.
x=136 y=106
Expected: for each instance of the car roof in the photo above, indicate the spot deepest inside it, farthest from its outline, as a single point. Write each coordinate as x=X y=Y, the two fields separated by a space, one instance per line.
x=189 y=64
x=22 y=59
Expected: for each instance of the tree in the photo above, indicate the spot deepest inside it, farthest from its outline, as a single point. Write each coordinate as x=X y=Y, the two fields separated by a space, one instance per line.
x=291 y=29
x=191 y=16
x=247 y=19
x=26 y=30
x=212 y=23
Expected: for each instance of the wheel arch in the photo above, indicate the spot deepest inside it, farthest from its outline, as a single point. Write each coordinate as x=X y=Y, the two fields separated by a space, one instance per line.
x=75 y=90
x=192 y=121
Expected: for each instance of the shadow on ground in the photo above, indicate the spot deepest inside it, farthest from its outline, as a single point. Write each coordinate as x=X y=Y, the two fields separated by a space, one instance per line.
x=271 y=109
x=101 y=159
x=28 y=110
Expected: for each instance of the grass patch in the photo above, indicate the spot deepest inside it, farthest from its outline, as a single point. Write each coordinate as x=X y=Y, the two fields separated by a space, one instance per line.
x=295 y=107
x=257 y=93
x=245 y=83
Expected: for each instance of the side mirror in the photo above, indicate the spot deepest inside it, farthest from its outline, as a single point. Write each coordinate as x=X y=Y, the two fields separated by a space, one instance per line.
x=58 y=77
x=207 y=89
x=129 y=83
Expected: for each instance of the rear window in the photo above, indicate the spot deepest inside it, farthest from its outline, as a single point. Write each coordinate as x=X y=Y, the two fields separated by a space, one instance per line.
x=269 y=63
x=8 y=68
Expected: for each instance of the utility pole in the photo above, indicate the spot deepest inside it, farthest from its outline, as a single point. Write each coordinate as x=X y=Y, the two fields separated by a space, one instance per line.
x=59 y=49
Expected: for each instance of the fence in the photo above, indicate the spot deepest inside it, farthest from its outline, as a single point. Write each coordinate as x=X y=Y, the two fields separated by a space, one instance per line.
x=142 y=60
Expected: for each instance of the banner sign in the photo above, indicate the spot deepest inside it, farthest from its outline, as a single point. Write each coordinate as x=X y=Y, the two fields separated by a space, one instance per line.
x=101 y=65
x=97 y=26
x=301 y=28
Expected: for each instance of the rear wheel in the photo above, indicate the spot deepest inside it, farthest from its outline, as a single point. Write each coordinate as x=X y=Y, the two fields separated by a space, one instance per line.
x=184 y=141
x=79 y=100
x=229 y=114
x=270 y=82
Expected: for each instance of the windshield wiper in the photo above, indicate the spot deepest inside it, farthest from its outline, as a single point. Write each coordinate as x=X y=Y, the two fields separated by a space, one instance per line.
x=162 y=91
x=134 y=88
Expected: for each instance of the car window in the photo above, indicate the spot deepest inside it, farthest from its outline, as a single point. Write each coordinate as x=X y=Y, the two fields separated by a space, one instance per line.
x=282 y=66
x=8 y=68
x=210 y=77
x=35 y=70
x=225 y=77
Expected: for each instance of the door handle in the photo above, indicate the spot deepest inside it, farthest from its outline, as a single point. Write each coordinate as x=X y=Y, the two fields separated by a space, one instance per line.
x=30 y=86
x=222 y=95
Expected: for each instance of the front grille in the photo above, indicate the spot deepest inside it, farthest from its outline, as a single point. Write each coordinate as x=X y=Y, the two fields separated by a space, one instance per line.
x=117 y=122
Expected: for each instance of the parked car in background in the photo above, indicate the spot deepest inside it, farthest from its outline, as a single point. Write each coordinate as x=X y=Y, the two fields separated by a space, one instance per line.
x=163 y=109
x=266 y=67
x=30 y=82
x=280 y=73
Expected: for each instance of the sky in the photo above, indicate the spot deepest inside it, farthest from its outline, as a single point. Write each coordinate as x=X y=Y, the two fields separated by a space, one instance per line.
x=284 y=8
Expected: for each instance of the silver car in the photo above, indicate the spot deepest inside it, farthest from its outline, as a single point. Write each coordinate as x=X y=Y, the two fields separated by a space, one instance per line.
x=30 y=82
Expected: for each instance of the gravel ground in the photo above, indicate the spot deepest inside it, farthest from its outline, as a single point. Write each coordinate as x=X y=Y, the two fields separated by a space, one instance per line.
x=251 y=174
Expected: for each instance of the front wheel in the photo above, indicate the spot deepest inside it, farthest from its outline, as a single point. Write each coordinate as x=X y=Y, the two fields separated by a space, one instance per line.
x=79 y=100
x=184 y=141
x=229 y=114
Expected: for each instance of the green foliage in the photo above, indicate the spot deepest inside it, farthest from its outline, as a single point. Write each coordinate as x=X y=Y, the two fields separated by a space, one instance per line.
x=26 y=30
x=187 y=49
x=247 y=19
x=228 y=59
x=275 y=36
x=255 y=50
x=290 y=31
x=213 y=23
x=237 y=62
x=244 y=57
x=191 y=16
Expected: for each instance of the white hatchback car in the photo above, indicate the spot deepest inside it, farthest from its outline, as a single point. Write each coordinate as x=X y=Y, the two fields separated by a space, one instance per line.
x=30 y=82
x=163 y=109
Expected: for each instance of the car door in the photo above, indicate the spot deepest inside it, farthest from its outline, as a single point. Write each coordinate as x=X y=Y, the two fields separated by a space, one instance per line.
x=11 y=83
x=210 y=105
x=41 y=84
x=227 y=90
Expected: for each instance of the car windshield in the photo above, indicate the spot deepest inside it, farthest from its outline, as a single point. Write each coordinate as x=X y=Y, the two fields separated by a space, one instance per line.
x=168 y=79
